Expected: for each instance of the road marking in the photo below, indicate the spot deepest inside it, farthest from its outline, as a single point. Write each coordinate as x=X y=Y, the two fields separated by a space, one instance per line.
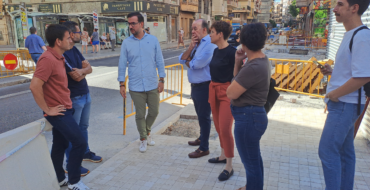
x=91 y=77
x=15 y=94
x=170 y=58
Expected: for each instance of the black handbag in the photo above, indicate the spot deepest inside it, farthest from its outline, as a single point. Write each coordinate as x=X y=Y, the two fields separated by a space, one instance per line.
x=272 y=96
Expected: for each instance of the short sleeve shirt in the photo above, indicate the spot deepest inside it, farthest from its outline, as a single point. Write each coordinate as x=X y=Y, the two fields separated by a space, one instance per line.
x=74 y=58
x=351 y=65
x=51 y=69
x=34 y=44
x=222 y=64
x=255 y=77
x=95 y=36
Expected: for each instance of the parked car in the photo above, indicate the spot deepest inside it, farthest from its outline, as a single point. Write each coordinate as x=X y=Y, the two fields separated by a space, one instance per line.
x=232 y=40
x=275 y=30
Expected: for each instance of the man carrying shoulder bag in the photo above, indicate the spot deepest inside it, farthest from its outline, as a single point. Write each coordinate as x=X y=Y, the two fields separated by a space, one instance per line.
x=351 y=73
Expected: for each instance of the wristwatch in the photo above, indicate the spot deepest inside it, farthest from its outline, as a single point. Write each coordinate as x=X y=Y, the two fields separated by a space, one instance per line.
x=161 y=80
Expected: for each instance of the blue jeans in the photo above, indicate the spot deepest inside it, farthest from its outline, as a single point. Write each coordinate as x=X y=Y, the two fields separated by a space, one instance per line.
x=336 y=149
x=250 y=124
x=65 y=130
x=199 y=94
x=36 y=56
x=82 y=105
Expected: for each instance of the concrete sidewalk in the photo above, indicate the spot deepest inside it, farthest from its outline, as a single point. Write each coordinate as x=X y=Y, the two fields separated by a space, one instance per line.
x=289 y=149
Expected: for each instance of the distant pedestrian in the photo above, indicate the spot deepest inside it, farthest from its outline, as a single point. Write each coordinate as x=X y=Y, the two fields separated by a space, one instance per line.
x=351 y=72
x=49 y=87
x=147 y=30
x=248 y=93
x=113 y=37
x=77 y=68
x=84 y=39
x=95 y=41
x=108 y=41
x=182 y=32
x=222 y=72
x=181 y=40
x=35 y=45
x=197 y=58
x=144 y=55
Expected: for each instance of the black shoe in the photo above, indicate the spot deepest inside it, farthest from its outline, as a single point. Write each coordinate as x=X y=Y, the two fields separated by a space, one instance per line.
x=225 y=175
x=216 y=160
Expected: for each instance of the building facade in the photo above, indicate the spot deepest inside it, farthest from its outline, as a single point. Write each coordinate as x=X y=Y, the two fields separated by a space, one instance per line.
x=245 y=13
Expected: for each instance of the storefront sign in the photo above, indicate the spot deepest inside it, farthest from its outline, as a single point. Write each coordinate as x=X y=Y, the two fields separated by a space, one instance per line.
x=95 y=20
x=50 y=8
x=174 y=10
x=140 y=6
x=23 y=13
x=12 y=8
x=155 y=24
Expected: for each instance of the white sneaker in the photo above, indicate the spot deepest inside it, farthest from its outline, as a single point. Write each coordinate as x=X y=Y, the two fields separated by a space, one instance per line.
x=143 y=146
x=150 y=140
x=78 y=186
x=64 y=182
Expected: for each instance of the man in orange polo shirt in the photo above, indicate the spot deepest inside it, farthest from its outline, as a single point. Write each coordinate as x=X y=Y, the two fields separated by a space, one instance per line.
x=49 y=87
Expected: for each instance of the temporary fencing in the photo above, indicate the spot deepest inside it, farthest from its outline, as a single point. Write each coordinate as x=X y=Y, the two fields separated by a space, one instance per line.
x=173 y=87
x=298 y=76
x=22 y=64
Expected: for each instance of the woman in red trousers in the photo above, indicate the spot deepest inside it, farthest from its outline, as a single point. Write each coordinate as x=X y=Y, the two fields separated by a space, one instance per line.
x=222 y=67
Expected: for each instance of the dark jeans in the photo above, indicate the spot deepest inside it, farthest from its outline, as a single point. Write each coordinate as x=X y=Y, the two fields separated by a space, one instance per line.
x=36 y=56
x=65 y=130
x=199 y=94
x=250 y=125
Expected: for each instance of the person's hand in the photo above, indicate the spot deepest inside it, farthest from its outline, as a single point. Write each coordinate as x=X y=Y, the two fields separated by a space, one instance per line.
x=240 y=55
x=85 y=63
x=160 y=87
x=331 y=95
x=122 y=91
x=76 y=73
x=57 y=110
x=326 y=70
x=194 y=41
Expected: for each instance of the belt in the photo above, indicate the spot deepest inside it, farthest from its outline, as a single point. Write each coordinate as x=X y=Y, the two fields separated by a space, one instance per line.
x=198 y=84
x=36 y=53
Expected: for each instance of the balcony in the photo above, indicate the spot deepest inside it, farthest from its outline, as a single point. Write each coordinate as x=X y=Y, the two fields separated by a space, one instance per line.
x=242 y=10
x=189 y=5
x=232 y=3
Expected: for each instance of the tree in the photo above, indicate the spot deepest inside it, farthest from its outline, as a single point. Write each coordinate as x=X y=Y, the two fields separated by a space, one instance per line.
x=293 y=10
x=273 y=23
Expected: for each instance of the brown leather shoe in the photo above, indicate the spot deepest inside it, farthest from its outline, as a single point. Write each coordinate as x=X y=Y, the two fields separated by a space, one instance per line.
x=198 y=154
x=194 y=143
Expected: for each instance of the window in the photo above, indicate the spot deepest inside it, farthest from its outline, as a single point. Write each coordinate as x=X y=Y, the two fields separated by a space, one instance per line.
x=237 y=15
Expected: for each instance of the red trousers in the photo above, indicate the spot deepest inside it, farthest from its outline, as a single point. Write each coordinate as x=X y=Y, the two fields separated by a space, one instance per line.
x=222 y=117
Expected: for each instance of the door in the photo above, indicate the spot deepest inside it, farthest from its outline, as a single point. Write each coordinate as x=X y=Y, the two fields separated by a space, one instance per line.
x=173 y=29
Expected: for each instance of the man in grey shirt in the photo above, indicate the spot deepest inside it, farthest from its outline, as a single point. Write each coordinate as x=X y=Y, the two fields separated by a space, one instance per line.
x=113 y=37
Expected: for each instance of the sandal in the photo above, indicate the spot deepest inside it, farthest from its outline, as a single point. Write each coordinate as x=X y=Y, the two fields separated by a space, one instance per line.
x=216 y=160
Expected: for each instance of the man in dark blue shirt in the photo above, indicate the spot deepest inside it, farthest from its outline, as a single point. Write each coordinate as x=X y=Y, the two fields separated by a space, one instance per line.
x=35 y=45
x=77 y=68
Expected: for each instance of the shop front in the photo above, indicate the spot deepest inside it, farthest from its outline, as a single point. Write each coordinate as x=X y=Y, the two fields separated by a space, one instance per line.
x=186 y=20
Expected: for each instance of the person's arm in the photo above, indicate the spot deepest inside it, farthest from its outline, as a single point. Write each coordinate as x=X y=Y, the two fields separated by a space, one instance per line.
x=38 y=95
x=202 y=58
x=187 y=53
x=160 y=66
x=350 y=86
x=122 y=65
x=235 y=90
x=245 y=80
x=41 y=43
x=44 y=48
x=239 y=57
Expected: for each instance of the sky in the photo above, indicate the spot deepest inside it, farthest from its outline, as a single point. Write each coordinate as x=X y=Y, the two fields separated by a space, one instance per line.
x=277 y=1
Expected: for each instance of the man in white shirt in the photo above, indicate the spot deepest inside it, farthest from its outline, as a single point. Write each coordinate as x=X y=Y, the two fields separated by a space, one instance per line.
x=351 y=72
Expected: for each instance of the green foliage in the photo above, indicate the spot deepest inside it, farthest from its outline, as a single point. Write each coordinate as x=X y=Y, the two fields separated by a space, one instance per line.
x=273 y=23
x=293 y=10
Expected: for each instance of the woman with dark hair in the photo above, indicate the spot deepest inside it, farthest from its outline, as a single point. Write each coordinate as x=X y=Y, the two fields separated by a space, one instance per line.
x=222 y=68
x=248 y=93
x=84 y=38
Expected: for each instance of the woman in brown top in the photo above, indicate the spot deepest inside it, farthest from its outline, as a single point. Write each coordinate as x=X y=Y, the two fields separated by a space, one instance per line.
x=248 y=93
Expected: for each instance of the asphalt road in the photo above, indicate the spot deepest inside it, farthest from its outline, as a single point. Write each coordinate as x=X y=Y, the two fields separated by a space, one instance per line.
x=18 y=106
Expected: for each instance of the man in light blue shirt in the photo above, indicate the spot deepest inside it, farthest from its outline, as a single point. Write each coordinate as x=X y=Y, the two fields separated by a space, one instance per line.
x=142 y=54
x=197 y=58
x=35 y=45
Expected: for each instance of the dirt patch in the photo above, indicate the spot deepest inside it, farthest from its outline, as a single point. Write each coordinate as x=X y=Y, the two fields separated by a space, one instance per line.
x=188 y=128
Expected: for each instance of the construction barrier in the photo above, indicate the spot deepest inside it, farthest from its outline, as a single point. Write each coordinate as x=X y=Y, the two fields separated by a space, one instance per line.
x=23 y=63
x=172 y=88
x=307 y=42
x=298 y=76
